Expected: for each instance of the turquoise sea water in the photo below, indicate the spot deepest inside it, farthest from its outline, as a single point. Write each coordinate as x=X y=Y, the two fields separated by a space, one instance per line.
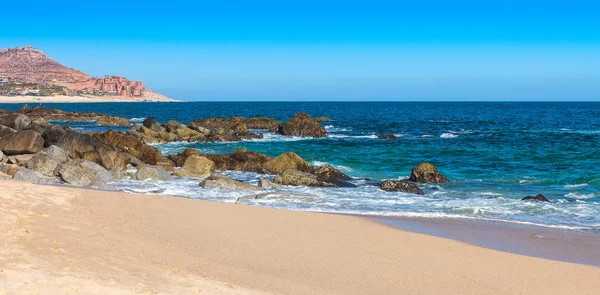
x=495 y=153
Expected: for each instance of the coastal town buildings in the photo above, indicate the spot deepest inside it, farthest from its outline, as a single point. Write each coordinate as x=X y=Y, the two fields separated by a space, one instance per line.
x=4 y=80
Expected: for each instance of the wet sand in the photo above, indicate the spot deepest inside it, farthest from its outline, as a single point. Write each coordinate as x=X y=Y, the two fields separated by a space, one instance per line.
x=551 y=243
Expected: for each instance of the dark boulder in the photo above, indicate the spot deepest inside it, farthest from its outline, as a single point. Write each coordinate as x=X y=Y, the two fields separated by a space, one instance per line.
x=332 y=175
x=23 y=142
x=427 y=173
x=151 y=124
x=53 y=134
x=400 y=186
x=387 y=136
x=302 y=124
x=538 y=198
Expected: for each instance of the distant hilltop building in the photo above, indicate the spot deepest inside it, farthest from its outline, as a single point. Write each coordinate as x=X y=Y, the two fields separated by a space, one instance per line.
x=4 y=80
x=117 y=85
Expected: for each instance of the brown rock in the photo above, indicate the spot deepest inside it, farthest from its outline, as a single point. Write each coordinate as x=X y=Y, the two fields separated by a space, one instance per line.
x=196 y=166
x=427 y=173
x=400 y=186
x=130 y=144
x=53 y=134
x=15 y=121
x=84 y=146
x=287 y=161
x=302 y=124
x=23 y=142
x=299 y=178
x=240 y=160
x=225 y=183
x=151 y=124
x=4 y=130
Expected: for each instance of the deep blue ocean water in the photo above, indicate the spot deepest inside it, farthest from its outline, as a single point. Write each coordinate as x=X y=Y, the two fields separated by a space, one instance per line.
x=495 y=153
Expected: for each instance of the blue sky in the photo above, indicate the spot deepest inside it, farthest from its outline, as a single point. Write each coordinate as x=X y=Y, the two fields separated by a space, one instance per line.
x=325 y=50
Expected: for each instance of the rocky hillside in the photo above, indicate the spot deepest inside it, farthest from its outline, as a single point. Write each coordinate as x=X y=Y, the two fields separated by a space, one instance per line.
x=27 y=64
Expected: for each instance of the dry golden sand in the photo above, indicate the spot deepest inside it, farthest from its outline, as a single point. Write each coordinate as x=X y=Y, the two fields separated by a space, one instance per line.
x=58 y=240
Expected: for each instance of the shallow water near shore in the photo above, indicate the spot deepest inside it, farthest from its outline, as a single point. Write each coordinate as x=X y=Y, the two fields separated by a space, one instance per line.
x=495 y=153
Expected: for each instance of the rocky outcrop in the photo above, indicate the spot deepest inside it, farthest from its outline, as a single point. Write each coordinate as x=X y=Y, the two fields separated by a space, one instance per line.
x=147 y=172
x=83 y=173
x=15 y=121
x=240 y=160
x=131 y=144
x=225 y=183
x=262 y=123
x=43 y=163
x=427 y=173
x=113 y=121
x=302 y=124
x=84 y=146
x=537 y=198
x=267 y=184
x=235 y=133
x=400 y=186
x=153 y=131
x=387 y=136
x=285 y=162
x=33 y=176
x=196 y=166
x=40 y=112
x=23 y=142
x=299 y=178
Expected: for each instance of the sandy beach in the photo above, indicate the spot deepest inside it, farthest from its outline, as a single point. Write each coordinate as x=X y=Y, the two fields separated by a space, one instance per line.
x=68 y=99
x=61 y=240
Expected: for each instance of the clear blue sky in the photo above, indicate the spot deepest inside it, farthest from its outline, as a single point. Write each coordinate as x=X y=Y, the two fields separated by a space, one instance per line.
x=324 y=50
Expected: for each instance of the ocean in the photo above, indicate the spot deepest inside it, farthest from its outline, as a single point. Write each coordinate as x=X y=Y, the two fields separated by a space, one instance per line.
x=494 y=153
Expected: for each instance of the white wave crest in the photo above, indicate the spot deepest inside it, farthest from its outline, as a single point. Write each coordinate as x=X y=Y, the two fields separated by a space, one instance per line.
x=576 y=185
x=339 y=167
x=137 y=120
x=351 y=136
x=449 y=135
x=578 y=195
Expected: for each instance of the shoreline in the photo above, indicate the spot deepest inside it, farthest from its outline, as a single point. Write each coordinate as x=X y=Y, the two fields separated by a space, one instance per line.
x=73 y=99
x=559 y=244
x=91 y=241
